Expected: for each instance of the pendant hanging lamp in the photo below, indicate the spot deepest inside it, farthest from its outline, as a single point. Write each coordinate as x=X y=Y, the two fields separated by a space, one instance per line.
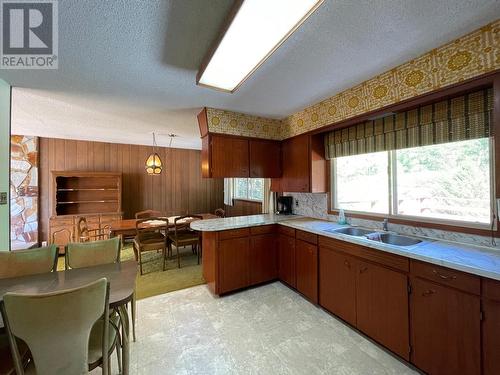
x=153 y=162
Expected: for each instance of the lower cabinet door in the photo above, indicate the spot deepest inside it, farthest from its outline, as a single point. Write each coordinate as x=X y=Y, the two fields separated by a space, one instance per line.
x=286 y=260
x=306 y=265
x=337 y=284
x=382 y=306
x=445 y=329
x=233 y=264
x=263 y=258
x=491 y=337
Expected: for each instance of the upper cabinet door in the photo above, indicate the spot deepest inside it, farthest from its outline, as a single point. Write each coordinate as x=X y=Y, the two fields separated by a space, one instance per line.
x=265 y=158
x=296 y=165
x=229 y=157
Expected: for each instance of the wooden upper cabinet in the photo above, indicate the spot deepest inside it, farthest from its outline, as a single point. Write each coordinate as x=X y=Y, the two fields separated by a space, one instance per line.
x=265 y=158
x=229 y=157
x=224 y=155
x=445 y=327
x=303 y=165
x=382 y=306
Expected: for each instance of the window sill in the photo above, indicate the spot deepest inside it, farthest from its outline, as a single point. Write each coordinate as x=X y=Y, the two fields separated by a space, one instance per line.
x=470 y=228
x=247 y=200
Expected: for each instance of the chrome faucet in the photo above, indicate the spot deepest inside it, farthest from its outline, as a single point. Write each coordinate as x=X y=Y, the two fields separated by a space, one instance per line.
x=385 y=224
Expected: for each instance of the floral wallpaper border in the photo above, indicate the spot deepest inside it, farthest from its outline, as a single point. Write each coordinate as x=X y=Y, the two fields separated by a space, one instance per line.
x=467 y=57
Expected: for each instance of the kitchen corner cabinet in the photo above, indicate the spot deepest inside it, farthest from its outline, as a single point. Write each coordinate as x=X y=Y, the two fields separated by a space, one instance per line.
x=303 y=164
x=238 y=258
x=263 y=258
x=229 y=157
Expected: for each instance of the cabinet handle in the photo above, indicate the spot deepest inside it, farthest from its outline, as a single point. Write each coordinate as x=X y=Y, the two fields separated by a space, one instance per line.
x=364 y=269
x=444 y=277
x=347 y=264
x=428 y=292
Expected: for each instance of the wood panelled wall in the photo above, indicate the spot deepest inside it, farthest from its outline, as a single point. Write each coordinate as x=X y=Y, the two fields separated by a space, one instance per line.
x=178 y=190
x=242 y=208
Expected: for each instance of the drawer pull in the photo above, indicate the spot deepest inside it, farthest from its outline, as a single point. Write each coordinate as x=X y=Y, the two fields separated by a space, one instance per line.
x=428 y=292
x=347 y=264
x=444 y=277
x=363 y=270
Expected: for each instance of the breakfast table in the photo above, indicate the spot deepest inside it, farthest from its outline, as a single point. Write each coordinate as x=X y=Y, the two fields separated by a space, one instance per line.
x=121 y=277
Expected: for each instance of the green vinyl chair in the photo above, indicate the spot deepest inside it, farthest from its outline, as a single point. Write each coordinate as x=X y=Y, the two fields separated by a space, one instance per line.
x=88 y=254
x=28 y=262
x=57 y=328
x=15 y=264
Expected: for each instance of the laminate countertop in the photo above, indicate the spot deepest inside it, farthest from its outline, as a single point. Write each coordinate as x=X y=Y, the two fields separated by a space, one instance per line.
x=477 y=260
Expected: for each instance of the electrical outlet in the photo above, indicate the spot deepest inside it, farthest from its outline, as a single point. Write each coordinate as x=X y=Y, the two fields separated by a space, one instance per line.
x=3 y=197
x=296 y=203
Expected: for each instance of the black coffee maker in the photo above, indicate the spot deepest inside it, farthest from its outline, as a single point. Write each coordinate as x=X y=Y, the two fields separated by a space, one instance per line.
x=284 y=205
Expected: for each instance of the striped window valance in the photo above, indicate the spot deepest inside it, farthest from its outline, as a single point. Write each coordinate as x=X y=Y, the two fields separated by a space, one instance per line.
x=455 y=119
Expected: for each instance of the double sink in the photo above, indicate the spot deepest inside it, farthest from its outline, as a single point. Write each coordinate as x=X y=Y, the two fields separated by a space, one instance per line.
x=384 y=237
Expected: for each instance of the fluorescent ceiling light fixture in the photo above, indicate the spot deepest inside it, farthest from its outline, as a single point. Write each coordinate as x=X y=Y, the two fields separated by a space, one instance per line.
x=255 y=29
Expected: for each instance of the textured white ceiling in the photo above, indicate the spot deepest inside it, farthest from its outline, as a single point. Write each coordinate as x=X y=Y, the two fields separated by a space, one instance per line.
x=128 y=67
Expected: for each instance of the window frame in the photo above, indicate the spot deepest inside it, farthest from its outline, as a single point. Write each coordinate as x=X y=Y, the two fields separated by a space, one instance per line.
x=247 y=198
x=411 y=219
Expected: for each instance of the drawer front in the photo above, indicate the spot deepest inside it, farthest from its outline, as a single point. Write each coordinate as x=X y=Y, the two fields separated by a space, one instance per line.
x=378 y=256
x=263 y=229
x=286 y=230
x=307 y=237
x=446 y=276
x=61 y=221
x=491 y=289
x=234 y=233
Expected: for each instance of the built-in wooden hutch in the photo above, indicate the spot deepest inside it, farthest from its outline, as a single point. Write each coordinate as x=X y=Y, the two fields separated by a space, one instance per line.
x=97 y=196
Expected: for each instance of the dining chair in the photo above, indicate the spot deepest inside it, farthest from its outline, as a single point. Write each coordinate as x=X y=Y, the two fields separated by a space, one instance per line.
x=15 y=264
x=57 y=328
x=85 y=234
x=148 y=238
x=89 y=254
x=147 y=214
x=183 y=236
x=220 y=212
x=28 y=262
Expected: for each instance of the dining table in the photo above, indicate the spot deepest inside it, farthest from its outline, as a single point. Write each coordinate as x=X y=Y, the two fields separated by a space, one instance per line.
x=127 y=227
x=121 y=278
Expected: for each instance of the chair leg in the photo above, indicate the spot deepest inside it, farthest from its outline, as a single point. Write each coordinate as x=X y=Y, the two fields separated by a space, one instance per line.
x=119 y=358
x=164 y=257
x=135 y=252
x=178 y=258
x=140 y=261
x=198 y=250
x=133 y=308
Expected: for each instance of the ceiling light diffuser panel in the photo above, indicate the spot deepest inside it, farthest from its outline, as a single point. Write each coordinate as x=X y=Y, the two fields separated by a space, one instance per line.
x=256 y=28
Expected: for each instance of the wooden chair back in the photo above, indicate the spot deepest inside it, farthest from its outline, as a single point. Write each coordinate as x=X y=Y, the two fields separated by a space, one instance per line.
x=181 y=223
x=147 y=214
x=220 y=212
x=84 y=234
x=142 y=227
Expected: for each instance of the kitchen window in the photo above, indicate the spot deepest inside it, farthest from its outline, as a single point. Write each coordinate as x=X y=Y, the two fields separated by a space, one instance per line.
x=444 y=182
x=251 y=189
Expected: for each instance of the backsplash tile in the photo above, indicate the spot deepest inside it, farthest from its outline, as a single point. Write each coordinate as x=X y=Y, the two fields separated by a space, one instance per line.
x=316 y=205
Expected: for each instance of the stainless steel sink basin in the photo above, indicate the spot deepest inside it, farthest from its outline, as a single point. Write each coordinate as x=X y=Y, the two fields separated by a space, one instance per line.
x=358 y=232
x=396 y=239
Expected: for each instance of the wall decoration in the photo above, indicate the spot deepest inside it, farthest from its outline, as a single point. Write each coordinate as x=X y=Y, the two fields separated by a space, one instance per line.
x=23 y=191
x=227 y=122
x=467 y=57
